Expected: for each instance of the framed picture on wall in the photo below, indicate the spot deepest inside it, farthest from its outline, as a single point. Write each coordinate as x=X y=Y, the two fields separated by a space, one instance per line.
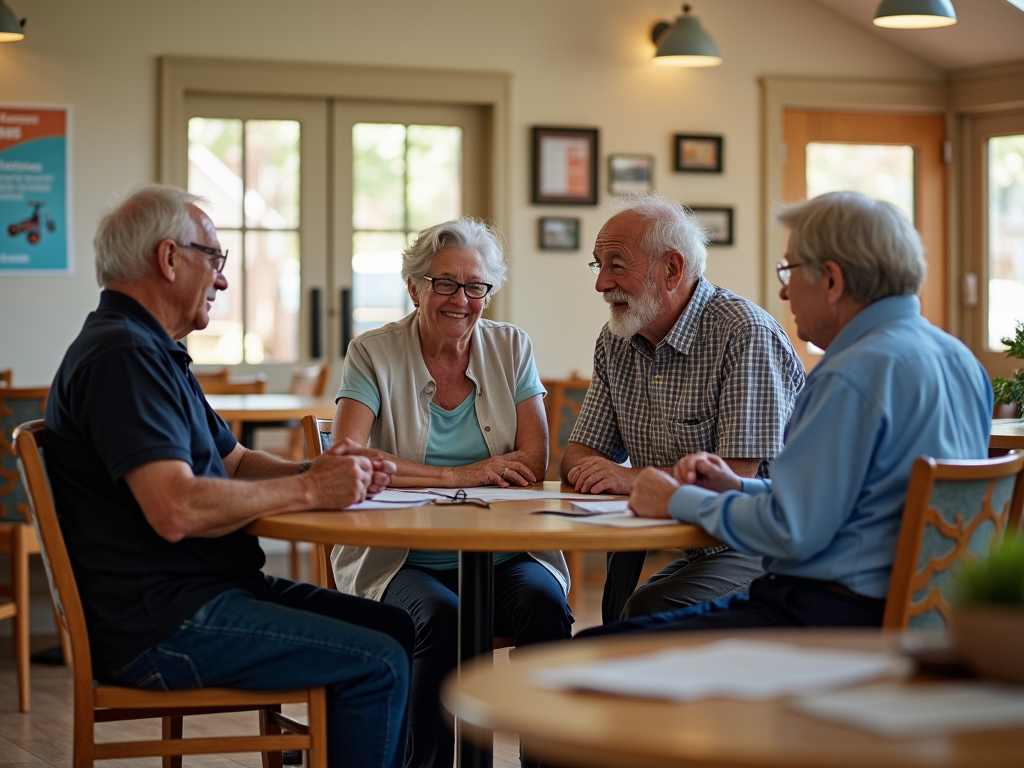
x=717 y=222
x=559 y=233
x=564 y=166
x=699 y=154
x=630 y=173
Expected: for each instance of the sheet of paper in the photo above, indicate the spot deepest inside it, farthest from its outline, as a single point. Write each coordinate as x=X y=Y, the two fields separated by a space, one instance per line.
x=625 y=520
x=490 y=493
x=903 y=711
x=392 y=500
x=738 y=669
x=603 y=507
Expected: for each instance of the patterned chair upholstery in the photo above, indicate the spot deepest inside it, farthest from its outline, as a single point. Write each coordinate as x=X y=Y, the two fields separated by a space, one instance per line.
x=562 y=406
x=954 y=509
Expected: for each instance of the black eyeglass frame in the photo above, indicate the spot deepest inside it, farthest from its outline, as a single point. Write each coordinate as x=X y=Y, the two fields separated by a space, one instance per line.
x=782 y=267
x=215 y=256
x=464 y=286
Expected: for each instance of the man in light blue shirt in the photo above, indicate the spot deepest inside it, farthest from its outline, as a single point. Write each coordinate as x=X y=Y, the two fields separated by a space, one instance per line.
x=890 y=387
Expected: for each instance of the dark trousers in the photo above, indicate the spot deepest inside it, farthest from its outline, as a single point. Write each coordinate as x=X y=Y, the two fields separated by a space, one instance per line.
x=528 y=605
x=773 y=601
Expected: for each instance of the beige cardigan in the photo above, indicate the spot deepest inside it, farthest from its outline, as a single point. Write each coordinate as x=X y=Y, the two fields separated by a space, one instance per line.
x=392 y=357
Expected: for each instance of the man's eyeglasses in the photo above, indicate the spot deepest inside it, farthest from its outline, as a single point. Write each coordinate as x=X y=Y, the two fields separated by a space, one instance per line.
x=215 y=256
x=782 y=269
x=445 y=287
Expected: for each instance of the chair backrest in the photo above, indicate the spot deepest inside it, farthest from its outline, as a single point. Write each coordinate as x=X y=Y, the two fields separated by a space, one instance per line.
x=954 y=509
x=6 y=377
x=17 y=405
x=235 y=385
x=311 y=381
x=562 y=406
x=29 y=444
x=317 y=434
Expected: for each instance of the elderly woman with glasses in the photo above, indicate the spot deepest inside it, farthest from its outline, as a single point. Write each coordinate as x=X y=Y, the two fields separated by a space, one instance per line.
x=455 y=401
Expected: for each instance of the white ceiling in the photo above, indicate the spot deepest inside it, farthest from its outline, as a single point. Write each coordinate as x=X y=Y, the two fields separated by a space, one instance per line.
x=986 y=32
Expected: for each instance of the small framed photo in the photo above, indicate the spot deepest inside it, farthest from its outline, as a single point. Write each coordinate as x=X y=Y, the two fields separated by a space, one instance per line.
x=565 y=166
x=630 y=173
x=559 y=233
x=717 y=222
x=699 y=154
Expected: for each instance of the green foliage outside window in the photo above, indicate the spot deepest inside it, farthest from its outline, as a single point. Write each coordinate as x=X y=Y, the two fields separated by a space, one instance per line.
x=1009 y=391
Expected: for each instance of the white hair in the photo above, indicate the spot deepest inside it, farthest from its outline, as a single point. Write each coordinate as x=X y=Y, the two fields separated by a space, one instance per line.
x=464 y=232
x=872 y=241
x=128 y=235
x=670 y=226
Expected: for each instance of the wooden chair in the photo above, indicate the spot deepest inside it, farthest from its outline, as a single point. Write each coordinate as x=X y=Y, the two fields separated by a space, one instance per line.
x=954 y=509
x=317 y=434
x=96 y=703
x=233 y=385
x=17 y=537
x=6 y=377
x=562 y=406
x=311 y=382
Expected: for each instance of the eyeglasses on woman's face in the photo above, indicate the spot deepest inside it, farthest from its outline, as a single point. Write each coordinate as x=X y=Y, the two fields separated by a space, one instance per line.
x=445 y=287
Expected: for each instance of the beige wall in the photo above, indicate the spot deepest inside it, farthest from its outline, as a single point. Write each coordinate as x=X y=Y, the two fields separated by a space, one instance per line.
x=574 y=62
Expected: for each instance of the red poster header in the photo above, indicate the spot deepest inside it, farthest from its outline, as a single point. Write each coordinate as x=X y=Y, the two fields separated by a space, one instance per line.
x=20 y=125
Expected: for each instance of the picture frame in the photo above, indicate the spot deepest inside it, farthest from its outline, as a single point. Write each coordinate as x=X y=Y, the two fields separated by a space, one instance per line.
x=718 y=221
x=558 y=233
x=564 y=166
x=698 y=154
x=629 y=174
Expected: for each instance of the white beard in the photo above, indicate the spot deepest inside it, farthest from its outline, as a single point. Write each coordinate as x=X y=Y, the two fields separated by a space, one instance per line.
x=641 y=312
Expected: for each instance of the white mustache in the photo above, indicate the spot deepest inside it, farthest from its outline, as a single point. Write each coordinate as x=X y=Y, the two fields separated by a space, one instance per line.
x=618 y=297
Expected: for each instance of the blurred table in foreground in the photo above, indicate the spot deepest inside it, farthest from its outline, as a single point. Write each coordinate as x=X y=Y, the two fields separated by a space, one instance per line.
x=595 y=730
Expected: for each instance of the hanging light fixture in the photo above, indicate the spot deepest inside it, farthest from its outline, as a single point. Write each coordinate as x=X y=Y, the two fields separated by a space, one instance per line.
x=915 y=14
x=685 y=43
x=10 y=27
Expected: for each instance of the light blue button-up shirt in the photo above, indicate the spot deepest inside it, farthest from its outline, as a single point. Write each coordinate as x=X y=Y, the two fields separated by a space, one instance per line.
x=891 y=387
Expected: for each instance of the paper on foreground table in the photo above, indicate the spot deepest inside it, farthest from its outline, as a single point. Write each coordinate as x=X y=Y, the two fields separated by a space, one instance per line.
x=392 y=500
x=736 y=669
x=918 y=710
x=625 y=520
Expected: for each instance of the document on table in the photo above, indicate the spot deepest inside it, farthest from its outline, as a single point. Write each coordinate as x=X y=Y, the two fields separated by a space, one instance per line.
x=590 y=508
x=899 y=711
x=392 y=500
x=491 y=493
x=737 y=669
x=625 y=520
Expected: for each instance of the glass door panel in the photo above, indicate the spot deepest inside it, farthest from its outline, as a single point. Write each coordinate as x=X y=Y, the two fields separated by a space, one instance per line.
x=1005 y=238
x=884 y=171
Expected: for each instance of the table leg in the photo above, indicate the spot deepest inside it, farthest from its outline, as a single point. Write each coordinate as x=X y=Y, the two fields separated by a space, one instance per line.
x=476 y=632
x=248 y=439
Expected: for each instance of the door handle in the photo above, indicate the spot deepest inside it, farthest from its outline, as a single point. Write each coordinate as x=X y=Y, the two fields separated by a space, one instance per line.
x=315 y=330
x=346 y=319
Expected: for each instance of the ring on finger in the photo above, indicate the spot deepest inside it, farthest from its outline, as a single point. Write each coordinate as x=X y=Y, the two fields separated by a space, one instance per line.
x=504 y=471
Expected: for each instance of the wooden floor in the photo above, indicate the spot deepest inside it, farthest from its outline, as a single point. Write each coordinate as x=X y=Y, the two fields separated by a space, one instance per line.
x=41 y=738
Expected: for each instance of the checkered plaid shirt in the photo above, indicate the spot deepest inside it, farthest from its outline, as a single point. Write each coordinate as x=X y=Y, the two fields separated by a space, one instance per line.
x=724 y=380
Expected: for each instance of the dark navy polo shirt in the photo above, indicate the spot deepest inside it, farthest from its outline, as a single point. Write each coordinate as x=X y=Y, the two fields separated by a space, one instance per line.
x=124 y=397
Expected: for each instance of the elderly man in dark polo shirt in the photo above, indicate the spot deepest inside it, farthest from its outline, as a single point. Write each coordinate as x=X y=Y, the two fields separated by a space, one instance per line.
x=153 y=493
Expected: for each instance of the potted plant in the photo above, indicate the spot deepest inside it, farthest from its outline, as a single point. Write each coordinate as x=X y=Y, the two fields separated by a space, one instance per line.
x=987 y=621
x=1010 y=392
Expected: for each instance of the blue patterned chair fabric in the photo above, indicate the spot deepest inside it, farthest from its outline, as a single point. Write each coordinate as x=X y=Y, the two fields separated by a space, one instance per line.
x=961 y=520
x=15 y=408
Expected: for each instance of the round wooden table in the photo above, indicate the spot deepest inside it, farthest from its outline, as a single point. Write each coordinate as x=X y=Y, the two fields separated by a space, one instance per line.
x=508 y=526
x=595 y=730
x=246 y=413
x=1007 y=434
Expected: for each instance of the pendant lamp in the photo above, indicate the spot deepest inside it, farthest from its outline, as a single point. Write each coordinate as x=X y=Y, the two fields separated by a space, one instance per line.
x=685 y=43
x=10 y=27
x=915 y=14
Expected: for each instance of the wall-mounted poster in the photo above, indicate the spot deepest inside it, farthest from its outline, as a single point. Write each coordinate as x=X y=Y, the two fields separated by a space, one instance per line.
x=34 y=190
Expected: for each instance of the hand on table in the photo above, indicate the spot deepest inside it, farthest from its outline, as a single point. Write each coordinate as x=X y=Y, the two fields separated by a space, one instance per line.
x=652 y=491
x=382 y=471
x=596 y=474
x=497 y=470
x=706 y=470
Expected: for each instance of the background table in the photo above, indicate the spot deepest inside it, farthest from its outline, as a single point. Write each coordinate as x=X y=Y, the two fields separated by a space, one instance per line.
x=1007 y=434
x=246 y=413
x=509 y=526
x=589 y=729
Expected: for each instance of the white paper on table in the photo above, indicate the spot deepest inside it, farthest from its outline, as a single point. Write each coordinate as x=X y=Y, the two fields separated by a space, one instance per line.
x=392 y=500
x=737 y=669
x=490 y=493
x=897 y=710
x=603 y=507
x=626 y=520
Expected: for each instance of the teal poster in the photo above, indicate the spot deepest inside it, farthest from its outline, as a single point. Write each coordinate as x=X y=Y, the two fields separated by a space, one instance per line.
x=34 y=185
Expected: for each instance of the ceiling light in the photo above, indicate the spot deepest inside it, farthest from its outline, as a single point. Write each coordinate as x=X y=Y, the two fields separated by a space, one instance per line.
x=10 y=27
x=685 y=43
x=915 y=14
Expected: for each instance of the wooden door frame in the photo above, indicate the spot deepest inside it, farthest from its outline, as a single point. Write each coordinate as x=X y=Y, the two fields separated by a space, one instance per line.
x=781 y=93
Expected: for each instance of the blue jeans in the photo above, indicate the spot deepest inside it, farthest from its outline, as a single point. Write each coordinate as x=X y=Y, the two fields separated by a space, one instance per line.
x=528 y=605
x=297 y=636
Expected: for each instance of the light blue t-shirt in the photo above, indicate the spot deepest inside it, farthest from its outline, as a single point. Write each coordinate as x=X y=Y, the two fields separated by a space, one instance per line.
x=453 y=440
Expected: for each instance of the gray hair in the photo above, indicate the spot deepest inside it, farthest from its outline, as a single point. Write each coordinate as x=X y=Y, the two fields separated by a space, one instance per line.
x=128 y=235
x=871 y=240
x=464 y=232
x=671 y=226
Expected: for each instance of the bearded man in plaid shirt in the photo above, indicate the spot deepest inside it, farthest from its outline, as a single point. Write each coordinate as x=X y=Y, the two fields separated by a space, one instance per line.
x=682 y=366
